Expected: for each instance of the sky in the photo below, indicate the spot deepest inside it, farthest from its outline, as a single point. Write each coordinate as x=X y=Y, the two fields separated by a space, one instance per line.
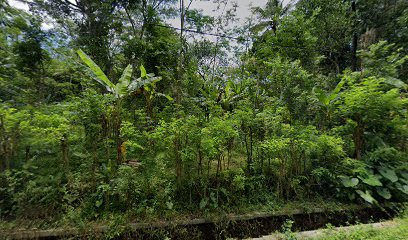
x=207 y=6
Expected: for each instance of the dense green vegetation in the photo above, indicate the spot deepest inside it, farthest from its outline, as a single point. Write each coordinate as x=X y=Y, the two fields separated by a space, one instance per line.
x=107 y=110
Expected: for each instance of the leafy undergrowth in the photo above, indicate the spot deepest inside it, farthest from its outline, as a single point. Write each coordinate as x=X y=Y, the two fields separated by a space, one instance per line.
x=73 y=218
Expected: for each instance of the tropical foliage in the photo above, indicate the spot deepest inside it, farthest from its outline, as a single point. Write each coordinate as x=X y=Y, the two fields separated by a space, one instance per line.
x=110 y=110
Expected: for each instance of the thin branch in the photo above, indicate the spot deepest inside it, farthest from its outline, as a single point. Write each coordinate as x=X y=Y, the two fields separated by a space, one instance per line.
x=155 y=6
x=75 y=7
x=131 y=20
x=188 y=7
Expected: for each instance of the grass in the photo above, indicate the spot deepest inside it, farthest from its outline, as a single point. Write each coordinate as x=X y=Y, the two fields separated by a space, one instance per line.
x=397 y=230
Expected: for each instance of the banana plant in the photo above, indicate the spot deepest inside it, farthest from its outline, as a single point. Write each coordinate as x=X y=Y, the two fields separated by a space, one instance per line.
x=125 y=87
x=233 y=92
x=327 y=99
x=146 y=84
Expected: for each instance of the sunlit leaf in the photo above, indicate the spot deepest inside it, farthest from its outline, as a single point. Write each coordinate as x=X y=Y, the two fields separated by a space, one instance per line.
x=389 y=174
x=366 y=196
x=100 y=76
x=143 y=72
x=372 y=180
x=122 y=86
x=349 y=182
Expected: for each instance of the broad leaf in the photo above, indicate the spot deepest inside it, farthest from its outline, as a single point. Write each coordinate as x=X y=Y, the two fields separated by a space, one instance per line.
x=126 y=75
x=321 y=95
x=372 y=180
x=143 y=72
x=388 y=174
x=349 y=182
x=336 y=91
x=169 y=98
x=122 y=85
x=395 y=82
x=100 y=76
x=384 y=192
x=98 y=203
x=404 y=175
x=139 y=82
x=366 y=196
x=402 y=188
x=403 y=180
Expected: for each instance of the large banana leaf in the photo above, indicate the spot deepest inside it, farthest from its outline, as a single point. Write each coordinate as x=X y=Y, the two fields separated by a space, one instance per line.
x=126 y=75
x=396 y=82
x=321 y=96
x=124 y=81
x=336 y=91
x=326 y=99
x=140 y=82
x=143 y=72
x=100 y=76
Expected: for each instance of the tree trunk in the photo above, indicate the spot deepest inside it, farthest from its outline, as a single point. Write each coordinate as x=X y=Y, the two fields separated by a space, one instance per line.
x=354 y=40
x=177 y=146
x=64 y=151
x=358 y=139
x=200 y=160
x=119 y=142
x=178 y=94
x=27 y=153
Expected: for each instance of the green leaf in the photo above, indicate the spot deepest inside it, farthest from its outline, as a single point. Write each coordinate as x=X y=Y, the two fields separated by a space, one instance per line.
x=336 y=91
x=127 y=74
x=100 y=76
x=169 y=98
x=138 y=83
x=349 y=182
x=164 y=95
x=98 y=203
x=404 y=175
x=402 y=188
x=323 y=99
x=366 y=196
x=395 y=82
x=372 y=180
x=122 y=85
x=384 y=192
x=404 y=181
x=169 y=205
x=203 y=203
x=388 y=174
x=143 y=72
